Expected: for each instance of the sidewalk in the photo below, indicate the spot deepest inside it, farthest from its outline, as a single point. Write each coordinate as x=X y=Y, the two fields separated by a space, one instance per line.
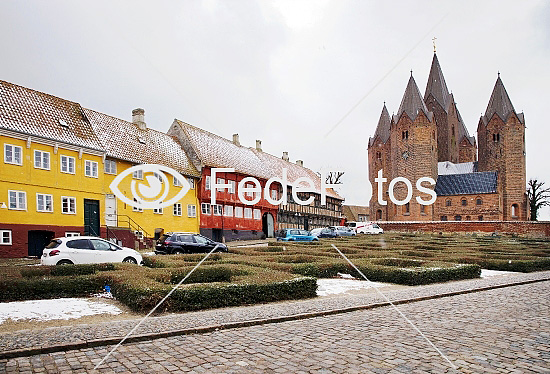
x=27 y=342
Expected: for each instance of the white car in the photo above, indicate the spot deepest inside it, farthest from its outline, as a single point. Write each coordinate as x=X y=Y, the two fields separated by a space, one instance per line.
x=370 y=228
x=86 y=250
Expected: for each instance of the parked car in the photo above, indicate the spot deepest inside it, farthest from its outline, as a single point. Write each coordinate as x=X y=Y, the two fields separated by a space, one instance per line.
x=184 y=242
x=371 y=228
x=324 y=232
x=298 y=235
x=344 y=231
x=86 y=250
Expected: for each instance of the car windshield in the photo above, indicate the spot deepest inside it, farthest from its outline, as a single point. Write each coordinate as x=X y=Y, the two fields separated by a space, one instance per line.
x=54 y=244
x=294 y=232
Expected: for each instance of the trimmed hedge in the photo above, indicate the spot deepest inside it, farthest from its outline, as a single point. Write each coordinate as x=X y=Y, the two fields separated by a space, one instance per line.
x=65 y=270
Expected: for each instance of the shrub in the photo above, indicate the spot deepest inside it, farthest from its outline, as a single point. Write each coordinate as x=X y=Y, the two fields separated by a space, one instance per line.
x=65 y=270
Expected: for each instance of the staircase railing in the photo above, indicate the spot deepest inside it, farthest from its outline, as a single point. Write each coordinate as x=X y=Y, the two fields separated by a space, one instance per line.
x=124 y=219
x=111 y=234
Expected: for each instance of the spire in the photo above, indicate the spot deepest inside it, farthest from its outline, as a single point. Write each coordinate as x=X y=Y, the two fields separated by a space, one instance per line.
x=436 y=85
x=383 y=128
x=412 y=101
x=499 y=103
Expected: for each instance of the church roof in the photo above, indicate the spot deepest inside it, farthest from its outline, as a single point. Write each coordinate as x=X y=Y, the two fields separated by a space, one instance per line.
x=383 y=128
x=436 y=85
x=448 y=167
x=500 y=104
x=412 y=102
x=466 y=184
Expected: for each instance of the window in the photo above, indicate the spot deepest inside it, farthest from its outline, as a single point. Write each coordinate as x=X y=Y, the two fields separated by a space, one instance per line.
x=67 y=164
x=239 y=211
x=422 y=209
x=207 y=182
x=191 y=183
x=177 y=182
x=448 y=202
x=232 y=188
x=217 y=210
x=101 y=245
x=257 y=214
x=514 y=210
x=13 y=154
x=90 y=169
x=275 y=195
x=228 y=211
x=110 y=167
x=5 y=237
x=138 y=174
x=464 y=202
x=379 y=214
x=444 y=218
x=407 y=208
x=17 y=200
x=405 y=135
x=191 y=210
x=496 y=137
x=177 y=209
x=480 y=218
x=205 y=208
x=68 y=205
x=136 y=209
x=42 y=160
x=158 y=210
x=79 y=244
x=159 y=177
x=468 y=218
x=44 y=203
x=247 y=212
x=221 y=181
x=378 y=156
x=70 y=234
x=479 y=201
x=458 y=217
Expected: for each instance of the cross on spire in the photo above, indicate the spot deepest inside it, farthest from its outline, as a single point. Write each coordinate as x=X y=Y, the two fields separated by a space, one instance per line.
x=433 y=41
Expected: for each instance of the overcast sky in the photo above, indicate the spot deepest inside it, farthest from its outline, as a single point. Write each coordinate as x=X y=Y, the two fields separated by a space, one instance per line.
x=285 y=72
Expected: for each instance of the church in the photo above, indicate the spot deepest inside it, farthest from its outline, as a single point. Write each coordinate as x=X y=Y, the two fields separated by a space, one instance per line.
x=476 y=180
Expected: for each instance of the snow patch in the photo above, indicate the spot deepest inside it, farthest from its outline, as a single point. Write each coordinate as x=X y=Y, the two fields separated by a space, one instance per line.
x=339 y=286
x=491 y=273
x=45 y=310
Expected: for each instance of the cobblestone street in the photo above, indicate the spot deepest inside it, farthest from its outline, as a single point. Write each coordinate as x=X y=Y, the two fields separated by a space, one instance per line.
x=504 y=330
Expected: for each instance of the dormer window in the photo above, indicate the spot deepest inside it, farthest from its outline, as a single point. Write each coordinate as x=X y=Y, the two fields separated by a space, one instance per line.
x=141 y=139
x=63 y=123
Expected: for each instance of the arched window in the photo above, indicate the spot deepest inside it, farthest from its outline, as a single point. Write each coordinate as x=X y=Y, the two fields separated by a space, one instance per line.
x=464 y=202
x=407 y=208
x=514 y=210
x=379 y=215
x=479 y=201
x=448 y=202
x=458 y=218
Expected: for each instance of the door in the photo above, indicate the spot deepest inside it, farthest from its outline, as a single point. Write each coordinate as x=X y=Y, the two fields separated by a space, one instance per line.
x=268 y=225
x=81 y=251
x=91 y=217
x=110 y=210
x=38 y=240
x=217 y=235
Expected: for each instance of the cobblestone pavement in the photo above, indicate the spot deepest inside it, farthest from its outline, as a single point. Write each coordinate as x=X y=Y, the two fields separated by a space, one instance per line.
x=505 y=330
x=86 y=332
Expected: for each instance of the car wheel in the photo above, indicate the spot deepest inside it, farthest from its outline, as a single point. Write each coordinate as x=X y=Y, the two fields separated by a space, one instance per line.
x=65 y=262
x=130 y=260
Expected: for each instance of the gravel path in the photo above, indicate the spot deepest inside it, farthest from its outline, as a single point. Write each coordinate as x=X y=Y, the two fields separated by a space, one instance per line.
x=80 y=333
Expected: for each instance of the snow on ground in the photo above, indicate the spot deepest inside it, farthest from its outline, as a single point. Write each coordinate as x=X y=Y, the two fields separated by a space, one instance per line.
x=491 y=273
x=45 y=310
x=339 y=286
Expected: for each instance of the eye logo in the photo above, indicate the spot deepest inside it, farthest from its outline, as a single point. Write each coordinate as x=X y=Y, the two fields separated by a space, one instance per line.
x=152 y=194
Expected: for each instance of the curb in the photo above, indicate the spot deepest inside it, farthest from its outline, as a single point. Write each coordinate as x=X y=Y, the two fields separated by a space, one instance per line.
x=26 y=352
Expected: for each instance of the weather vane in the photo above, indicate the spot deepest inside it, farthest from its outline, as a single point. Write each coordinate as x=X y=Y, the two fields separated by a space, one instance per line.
x=433 y=40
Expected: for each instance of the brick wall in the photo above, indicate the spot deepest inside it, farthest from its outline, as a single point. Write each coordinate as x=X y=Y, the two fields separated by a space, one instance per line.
x=488 y=210
x=522 y=228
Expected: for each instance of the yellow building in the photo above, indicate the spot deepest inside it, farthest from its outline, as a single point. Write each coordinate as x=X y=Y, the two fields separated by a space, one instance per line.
x=57 y=162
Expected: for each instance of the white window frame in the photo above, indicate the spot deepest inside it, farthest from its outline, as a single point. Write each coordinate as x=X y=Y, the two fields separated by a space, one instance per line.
x=45 y=197
x=137 y=174
x=111 y=169
x=217 y=210
x=177 y=209
x=248 y=213
x=177 y=182
x=191 y=210
x=158 y=176
x=69 y=199
x=136 y=209
x=207 y=182
x=205 y=208
x=41 y=155
x=228 y=211
x=158 y=210
x=3 y=237
x=191 y=183
x=91 y=168
x=69 y=159
x=257 y=214
x=13 y=152
x=238 y=212
x=274 y=194
x=17 y=200
x=70 y=234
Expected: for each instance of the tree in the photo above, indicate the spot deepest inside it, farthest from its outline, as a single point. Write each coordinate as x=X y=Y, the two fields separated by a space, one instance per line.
x=538 y=197
x=334 y=177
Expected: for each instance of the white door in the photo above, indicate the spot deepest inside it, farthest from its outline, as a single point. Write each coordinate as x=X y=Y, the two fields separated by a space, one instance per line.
x=110 y=210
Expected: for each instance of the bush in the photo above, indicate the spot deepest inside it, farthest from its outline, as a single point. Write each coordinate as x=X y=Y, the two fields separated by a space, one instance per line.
x=65 y=270
x=202 y=275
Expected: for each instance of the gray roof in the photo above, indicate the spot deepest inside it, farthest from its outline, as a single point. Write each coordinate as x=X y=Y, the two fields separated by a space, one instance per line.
x=466 y=184
x=436 y=85
x=412 y=102
x=35 y=113
x=500 y=104
x=383 y=128
x=447 y=167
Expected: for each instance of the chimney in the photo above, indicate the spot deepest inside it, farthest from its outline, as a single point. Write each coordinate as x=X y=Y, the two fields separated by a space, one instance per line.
x=300 y=162
x=285 y=156
x=259 y=145
x=236 y=139
x=138 y=118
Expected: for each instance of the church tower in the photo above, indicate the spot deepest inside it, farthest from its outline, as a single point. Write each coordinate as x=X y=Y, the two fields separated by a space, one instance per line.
x=413 y=154
x=501 y=136
x=379 y=159
x=454 y=143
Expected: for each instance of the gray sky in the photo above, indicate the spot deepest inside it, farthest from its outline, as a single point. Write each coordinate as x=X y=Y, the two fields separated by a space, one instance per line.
x=285 y=72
